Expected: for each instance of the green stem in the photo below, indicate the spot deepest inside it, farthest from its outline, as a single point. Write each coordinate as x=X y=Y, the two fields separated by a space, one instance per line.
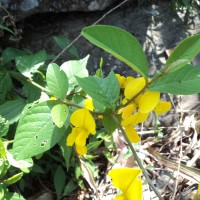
x=137 y=159
x=38 y=86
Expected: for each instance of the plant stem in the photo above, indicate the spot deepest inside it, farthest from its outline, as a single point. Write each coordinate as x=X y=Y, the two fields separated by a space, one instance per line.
x=137 y=159
x=39 y=86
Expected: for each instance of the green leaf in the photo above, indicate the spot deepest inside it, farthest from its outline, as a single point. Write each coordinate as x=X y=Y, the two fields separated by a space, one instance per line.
x=59 y=180
x=59 y=114
x=11 y=53
x=69 y=187
x=92 y=146
x=66 y=152
x=183 y=53
x=109 y=156
x=4 y=126
x=109 y=124
x=5 y=85
x=36 y=132
x=21 y=164
x=102 y=90
x=28 y=64
x=4 y=166
x=57 y=81
x=13 y=179
x=7 y=29
x=74 y=68
x=62 y=42
x=31 y=92
x=11 y=110
x=2 y=150
x=120 y=44
x=183 y=81
x=13 y=196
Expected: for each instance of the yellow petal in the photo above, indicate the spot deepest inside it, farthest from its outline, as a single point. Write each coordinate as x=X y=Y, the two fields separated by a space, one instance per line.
x=132 y=134
x=134 y=87
x=127 y=111
x=121 y=80
x=82 y=136
x=82 y=118
x=162 y=107
x=81 y=150
x=88 y=103
x=135 y=119
x=71 y=137
x=128 y=79
x=131 y=186
x=120 y=197
x=148 y=101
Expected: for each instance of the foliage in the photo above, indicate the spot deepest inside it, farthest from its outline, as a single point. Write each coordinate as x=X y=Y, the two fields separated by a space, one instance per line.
x=60 y=115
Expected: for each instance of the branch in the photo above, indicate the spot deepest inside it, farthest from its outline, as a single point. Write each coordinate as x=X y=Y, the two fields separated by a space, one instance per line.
x=137 y=159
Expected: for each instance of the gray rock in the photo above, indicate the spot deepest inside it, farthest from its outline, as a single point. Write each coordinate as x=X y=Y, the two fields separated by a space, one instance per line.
x=23 y=8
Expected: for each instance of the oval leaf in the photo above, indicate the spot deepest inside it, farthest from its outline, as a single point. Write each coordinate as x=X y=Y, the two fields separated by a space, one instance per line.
x=13 y=179
x=74 y=68
x=36 y=132
x=11 y=110
x=185 y=52
x=102 y=90
x=183 y=81
x=57 y=81
x=120 y=44
x=59 y=114
x=28 y=64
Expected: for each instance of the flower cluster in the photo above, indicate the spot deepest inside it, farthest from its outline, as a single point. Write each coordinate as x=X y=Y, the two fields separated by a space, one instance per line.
x=84 y=125
x=138 y=108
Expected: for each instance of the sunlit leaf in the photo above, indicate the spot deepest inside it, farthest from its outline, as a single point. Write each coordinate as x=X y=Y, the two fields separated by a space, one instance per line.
x=183 y=81
x=102 y=90
x=120 y=44
x=36 y=132
x=57 y=81
x=59 y=114
x=74 y=68
x=183 y=53
x=28 y=64
x=13 y=179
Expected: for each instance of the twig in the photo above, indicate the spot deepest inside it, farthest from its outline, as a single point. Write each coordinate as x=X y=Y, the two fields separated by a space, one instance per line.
x=38 y=86
x=79 y=36
x=137 y=159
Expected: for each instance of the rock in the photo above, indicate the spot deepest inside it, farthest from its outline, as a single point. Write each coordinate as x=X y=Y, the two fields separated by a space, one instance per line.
x=157 y=27
x=24 y=8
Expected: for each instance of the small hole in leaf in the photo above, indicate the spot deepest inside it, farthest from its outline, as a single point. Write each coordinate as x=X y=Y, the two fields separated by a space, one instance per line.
x=44 y=143
x=36 y=137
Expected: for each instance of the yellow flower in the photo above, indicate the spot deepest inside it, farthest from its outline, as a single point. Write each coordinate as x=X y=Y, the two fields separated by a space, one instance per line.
x=134 y=87
x=84 y=124
x=162 y=107
x=88 y=103
x=132 y=134
x=135 y=119
x=127 y=111
x=124 y=81
x=121 y=80
x=138 y=110
x=128 y=181
x=82 y=118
